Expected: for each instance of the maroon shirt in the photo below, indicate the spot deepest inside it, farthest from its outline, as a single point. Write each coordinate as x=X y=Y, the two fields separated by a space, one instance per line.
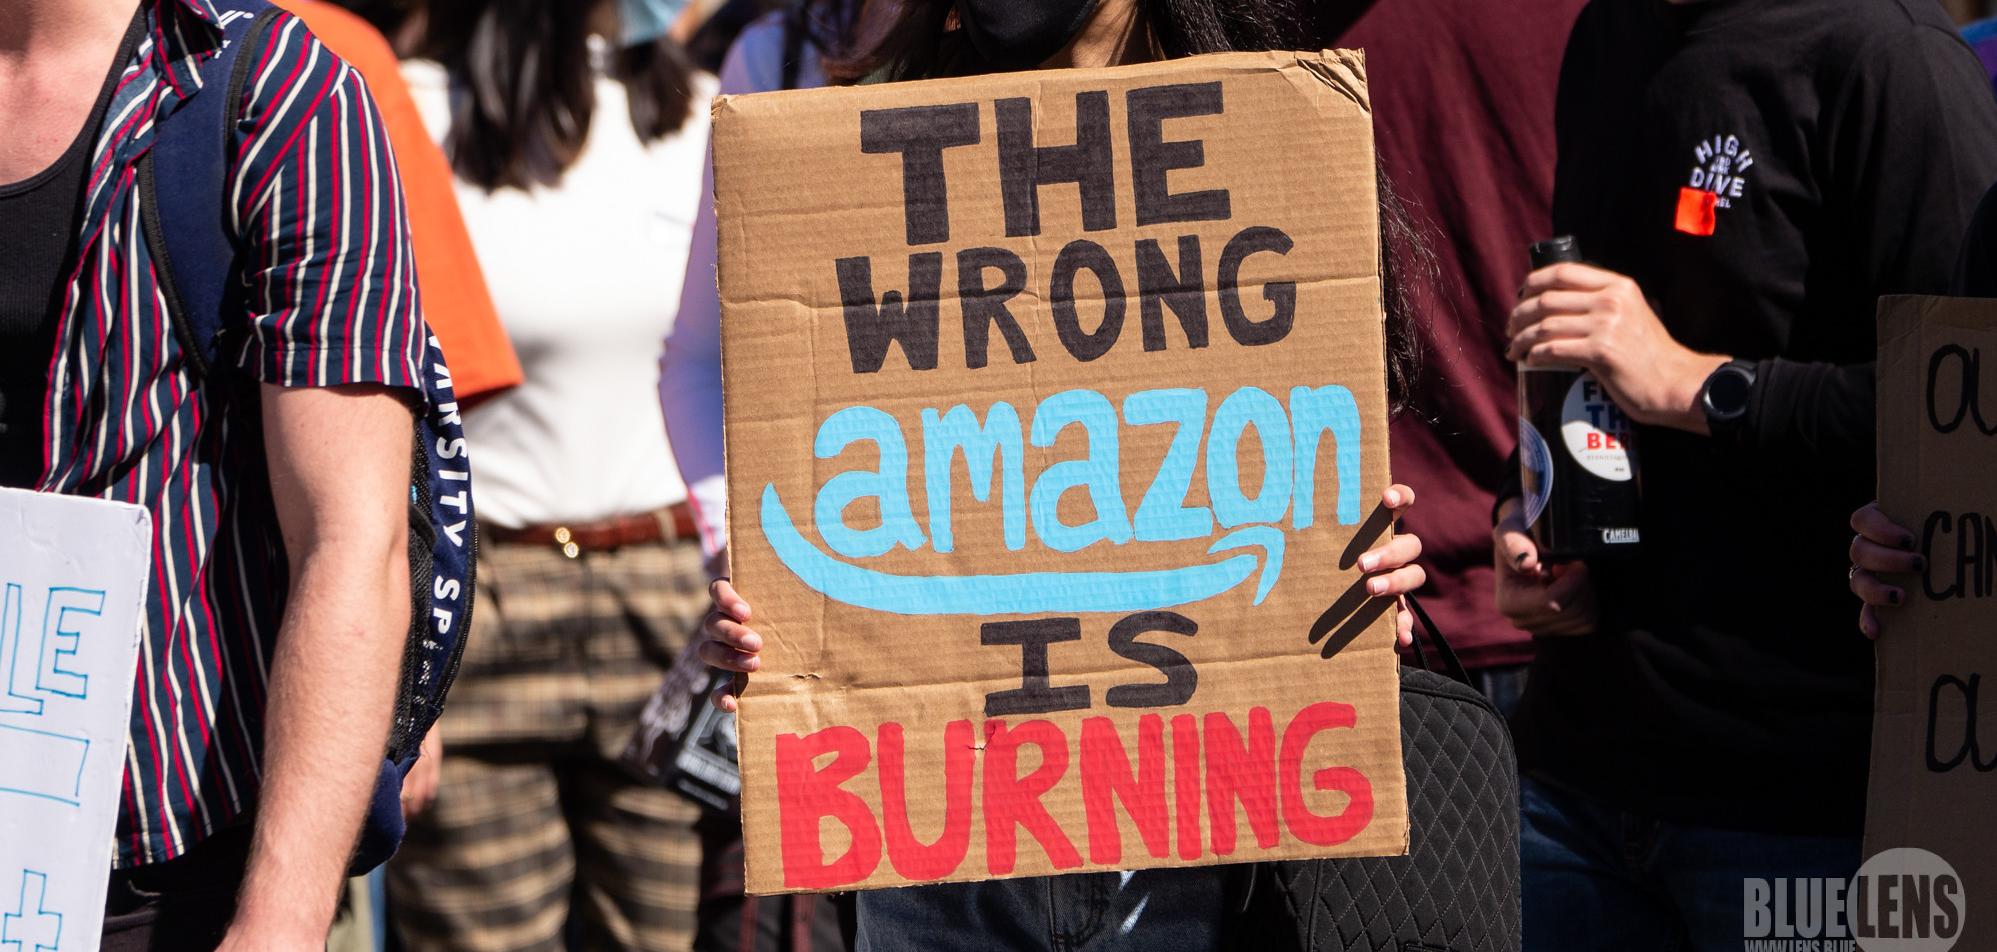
x=1463 y=115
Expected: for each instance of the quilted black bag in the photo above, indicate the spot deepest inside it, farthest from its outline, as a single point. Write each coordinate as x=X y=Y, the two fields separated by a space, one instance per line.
x=1457 y=890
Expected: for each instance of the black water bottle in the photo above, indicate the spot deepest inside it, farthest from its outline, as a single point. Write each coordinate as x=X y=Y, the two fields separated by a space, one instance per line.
x=1577 y=458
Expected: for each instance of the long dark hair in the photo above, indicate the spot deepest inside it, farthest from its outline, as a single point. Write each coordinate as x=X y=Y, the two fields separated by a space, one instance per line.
x=923 y=42
x=826 y=25
x=524 y=89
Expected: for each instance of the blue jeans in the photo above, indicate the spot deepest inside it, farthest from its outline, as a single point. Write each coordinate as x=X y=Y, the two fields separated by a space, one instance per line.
x=1159 y=910
x=1598 y=877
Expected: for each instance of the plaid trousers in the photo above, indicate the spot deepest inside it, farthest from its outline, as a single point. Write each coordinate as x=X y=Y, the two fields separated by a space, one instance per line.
x=539 y=839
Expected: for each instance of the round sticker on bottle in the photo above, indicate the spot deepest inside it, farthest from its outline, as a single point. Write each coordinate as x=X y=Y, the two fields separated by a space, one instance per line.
x=1536 y=470
x=1595 y=430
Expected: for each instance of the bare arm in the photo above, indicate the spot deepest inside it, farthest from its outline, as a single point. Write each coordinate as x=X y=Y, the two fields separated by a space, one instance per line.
x=339 y=465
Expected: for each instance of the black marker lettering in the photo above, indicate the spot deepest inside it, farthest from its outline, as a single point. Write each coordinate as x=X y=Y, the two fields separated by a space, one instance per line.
x=985 y=307
x=1158 y=288
x=1282 y=294
x=1152 y=157
x=1074 y=256
x=1023 y=167
x=920 y=134
x=1034 y=694
x=1969 y=748
x=1970 y=400
x=1181 y=680
x=911 y=323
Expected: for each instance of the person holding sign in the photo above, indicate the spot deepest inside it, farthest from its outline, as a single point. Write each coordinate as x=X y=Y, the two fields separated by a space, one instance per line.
x=1152 y=909
x=277 y=471
x=577 y=166
x=783 y=49
x=1739 y=174
x=1924 y=565
x=1883 y=551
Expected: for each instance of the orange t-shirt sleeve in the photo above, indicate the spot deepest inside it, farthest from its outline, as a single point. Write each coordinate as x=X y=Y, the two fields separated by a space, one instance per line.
x=456 y=303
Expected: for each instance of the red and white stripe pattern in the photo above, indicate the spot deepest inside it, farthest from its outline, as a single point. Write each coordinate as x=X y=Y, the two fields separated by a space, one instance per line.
x=332 y=300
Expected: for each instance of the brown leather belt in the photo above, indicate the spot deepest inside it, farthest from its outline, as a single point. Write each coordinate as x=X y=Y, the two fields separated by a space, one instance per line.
x=671 y=524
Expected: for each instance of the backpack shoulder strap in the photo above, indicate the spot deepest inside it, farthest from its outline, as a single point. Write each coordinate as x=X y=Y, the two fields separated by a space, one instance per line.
x=1452 y=665
x=183 y=180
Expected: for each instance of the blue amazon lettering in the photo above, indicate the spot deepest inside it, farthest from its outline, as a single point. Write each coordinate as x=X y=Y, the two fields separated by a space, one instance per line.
x=1290 y=439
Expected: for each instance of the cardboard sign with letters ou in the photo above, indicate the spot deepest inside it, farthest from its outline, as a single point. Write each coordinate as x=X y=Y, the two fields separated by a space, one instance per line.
x=1056 y=422
x=72 y=589
x=1934 y=741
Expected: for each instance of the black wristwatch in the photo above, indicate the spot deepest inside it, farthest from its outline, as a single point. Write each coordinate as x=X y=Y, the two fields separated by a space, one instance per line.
x=1725 y=396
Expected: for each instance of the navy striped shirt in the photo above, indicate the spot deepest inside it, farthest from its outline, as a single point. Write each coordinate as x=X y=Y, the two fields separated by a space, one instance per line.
x=313 y=193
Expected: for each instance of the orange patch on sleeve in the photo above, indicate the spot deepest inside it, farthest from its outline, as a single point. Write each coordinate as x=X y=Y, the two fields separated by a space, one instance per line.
x=1695 y=211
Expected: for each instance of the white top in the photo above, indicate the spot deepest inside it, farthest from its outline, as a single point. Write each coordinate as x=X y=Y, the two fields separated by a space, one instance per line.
x=691 y=388
x=586 y=278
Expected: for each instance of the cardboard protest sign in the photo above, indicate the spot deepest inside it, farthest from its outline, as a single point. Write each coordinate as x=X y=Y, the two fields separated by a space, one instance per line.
x=1056 y=423
x=1934 y=740
x=72 y=587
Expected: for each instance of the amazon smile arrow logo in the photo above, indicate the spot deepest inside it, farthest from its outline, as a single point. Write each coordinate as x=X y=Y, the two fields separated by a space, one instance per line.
x=1023 y=593
x=1288 y=437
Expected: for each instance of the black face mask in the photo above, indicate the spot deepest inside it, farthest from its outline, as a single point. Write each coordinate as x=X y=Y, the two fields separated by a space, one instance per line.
x=1017 y=34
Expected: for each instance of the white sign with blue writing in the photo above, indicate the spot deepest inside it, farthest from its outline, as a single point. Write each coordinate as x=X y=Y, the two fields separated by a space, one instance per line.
x=72 y=587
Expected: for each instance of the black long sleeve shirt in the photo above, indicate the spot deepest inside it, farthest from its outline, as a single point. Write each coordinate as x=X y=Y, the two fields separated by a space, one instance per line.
x=1765 y=170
